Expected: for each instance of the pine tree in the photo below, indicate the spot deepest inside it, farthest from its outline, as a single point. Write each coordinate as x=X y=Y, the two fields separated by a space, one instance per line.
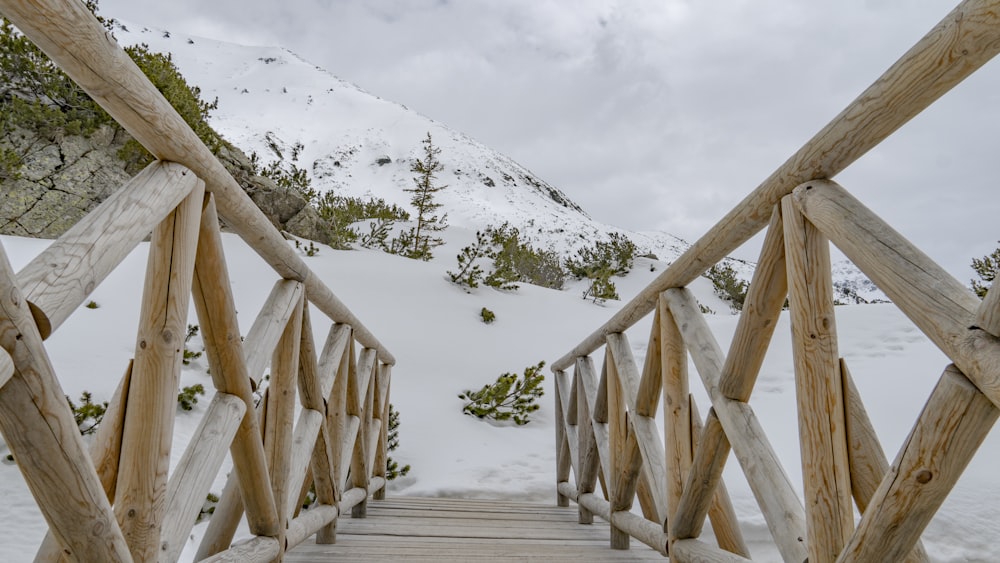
x=420 y=240
x=987 y=269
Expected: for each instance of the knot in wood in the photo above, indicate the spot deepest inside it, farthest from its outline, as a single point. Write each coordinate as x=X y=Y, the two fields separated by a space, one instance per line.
x=924 y=476
x=142 y=344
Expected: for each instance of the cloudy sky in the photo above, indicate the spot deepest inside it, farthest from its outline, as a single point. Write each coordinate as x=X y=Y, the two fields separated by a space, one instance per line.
x=652 y=114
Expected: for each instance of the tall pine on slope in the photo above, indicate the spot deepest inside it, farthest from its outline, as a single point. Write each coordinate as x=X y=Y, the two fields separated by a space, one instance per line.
x=420 y=240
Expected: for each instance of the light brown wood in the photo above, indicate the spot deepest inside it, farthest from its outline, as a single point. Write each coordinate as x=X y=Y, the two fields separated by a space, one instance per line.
x=761 y=309
x=416 y=529
x=59 y=279
x=699 y=552
x=68 y=33
x=105 y=452
x=589 y=462
x=705 y=475
x=308 y=523
x=6 y=369
x=988 y=313
x=220 y=331
x=303 y=445
x=280 y=417
x=40 y=431
x=676 y=407
x=949 y=430
x=868 y=461
x=197 y=468
x=624 y=460
x=819 y=392
x=383 y=381
x=260 y=343
x=721 y=511
x=935 y=301
x=363 y=395
x=963 y=41
x=259 y=549
x=152 y=398
x=563 y=455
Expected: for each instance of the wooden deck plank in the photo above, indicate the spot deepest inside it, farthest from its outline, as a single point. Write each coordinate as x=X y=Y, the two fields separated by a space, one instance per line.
x=448 y=529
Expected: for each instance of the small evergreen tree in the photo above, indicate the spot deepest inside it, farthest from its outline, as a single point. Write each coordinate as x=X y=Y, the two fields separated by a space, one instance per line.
x=392 y=468
x=727 y=285
x=470 y=273
x=88 y=414
x=510 y=398
x=598 y=263
x=986 y=269
x=420 y=240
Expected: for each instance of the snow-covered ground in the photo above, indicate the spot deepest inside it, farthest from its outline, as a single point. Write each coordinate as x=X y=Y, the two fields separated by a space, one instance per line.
x=442 y=348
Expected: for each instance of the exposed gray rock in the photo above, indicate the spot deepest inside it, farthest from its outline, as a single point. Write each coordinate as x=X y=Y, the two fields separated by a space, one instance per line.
x=62 y=179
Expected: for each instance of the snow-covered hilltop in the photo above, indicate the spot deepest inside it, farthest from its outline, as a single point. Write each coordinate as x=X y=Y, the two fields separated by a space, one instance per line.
x=274 y=103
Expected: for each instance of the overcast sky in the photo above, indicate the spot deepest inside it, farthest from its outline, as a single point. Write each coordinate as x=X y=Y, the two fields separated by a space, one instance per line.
x=652 y=114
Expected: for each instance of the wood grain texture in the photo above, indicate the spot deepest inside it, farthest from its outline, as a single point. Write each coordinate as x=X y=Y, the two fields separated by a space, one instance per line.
x=416 y=529
x=676 y=407
x=950 y=429
x=269 y=326
x=988 y=313
x=70 y=35
x=940 y=306
x=197 y=468
x=260 y=549
x=963 y=41
x=761 y=309
x=152 y=400
x=868 y=462
x=220 y=331
x=819 y=392
x=308 y=523
x=694 y=551
x=720 y=511
x=40 y=431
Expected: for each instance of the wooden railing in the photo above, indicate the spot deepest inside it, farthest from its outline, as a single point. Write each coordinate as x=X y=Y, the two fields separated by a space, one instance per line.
x=605 y=428
x=120 y=501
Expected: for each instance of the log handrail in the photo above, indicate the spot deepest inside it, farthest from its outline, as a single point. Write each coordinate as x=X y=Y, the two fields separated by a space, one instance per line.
x=126 y=505
x=843 y=465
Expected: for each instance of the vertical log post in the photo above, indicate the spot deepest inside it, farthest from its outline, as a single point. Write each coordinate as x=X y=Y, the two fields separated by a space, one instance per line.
x=590 y=460
x=280 y=415
x=39 y=429
x=822 y=428
x=152 y=400
x=562 y=441
x=676 y=408
x=621 y=493
x=213 y=300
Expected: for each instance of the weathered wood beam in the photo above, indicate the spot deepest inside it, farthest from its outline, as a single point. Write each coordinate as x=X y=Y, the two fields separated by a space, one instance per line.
x=774 y=492
x=625 y=458
x=197 y=468
x=988 y=313
x=259 y=549
x=383 y=381
x=269 y=325
x=280 y=417
x=360 y=467
x=962 y=42
x=819 y=392
x=936 y=302
x=694 y=550
x=152 y=399
x=60 y=278
x=868 y=462
x=590 y=462
x=563 y=454
x=40 y=431
x=308 y=523
x=73 y=38
x=676 y=406
x=950 y=429
x=220 y=330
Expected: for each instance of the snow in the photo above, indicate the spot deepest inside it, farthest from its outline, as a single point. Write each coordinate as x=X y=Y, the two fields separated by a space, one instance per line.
x=442 y=347
x=269 y=96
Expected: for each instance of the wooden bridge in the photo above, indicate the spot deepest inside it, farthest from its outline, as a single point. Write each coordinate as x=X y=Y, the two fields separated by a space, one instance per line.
x=119 y=501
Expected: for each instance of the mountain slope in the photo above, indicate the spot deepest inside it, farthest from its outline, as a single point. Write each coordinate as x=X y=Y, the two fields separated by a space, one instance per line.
x=281 y=107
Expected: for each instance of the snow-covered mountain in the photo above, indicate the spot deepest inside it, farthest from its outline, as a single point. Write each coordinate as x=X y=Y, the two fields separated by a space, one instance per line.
x=281 y=107
x=274 y=103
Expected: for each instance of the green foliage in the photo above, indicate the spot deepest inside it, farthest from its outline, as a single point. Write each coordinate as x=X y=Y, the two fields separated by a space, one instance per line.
x=309 y=250
x=986 y=269
x=188 y=397
x=190 y=355
x=727 y=285
x=92 y=305
x=487 y=316
x=598 y=263
x=341 y=212
x=186 y=99
x=392 y=468
x=513 y=261
x=419 y=241
x=510 y=398
x=87 y=414
x=35 y=95
x=208 y=508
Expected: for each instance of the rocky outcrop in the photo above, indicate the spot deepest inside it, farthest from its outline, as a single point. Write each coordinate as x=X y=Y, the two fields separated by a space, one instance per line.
x=61 y=179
